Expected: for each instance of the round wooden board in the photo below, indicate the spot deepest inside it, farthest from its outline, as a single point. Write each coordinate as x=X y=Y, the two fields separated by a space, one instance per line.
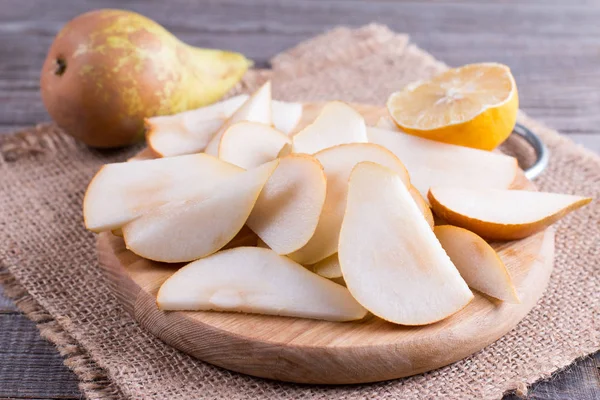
x=311 y=351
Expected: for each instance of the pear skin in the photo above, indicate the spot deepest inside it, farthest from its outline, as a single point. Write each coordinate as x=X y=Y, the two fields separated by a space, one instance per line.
x=107 y=70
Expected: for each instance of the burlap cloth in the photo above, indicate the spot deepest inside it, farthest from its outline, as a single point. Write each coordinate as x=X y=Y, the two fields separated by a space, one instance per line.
x=50 y=266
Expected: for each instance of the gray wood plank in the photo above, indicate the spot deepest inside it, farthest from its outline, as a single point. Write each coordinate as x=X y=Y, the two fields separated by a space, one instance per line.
x=30 y=366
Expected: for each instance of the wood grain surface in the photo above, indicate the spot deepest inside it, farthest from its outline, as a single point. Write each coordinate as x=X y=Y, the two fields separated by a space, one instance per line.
x=311 y=351
x=552 y=47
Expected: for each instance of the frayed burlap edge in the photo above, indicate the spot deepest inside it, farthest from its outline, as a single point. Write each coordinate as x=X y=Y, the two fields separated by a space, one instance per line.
x=93 y=380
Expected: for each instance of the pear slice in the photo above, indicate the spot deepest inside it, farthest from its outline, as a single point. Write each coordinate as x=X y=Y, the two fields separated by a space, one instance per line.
x=433 y=163
x=477 y=262
x=193 y=228
x=287 y=211
x=286 y=116
x=256 y=109
x=329 y=267
x=423 y=206
x=388 y=123
x=250 y=144
x=255 y=280
x=390 y=258
x=338 y=123
x=121 y=192
x=338 y=162
x=190 y=131
x=502 y=214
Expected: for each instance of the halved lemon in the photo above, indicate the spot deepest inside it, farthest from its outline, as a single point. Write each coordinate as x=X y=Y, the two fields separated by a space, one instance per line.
x=474 y=105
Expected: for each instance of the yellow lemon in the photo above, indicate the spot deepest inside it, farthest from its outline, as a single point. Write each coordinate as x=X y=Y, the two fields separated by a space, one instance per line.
x=474 y=105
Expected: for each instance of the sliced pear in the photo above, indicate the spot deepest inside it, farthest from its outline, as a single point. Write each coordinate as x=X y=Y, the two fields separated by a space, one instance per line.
x=433 y=163
x=338 y=123
x=423 y=206
x=287 y=211
x=390 y=258
x=388 y=123
x=255 y=280
x=193 y=228
x=329 y=267
x=286 y=116
x=477 y=262
x=250 y=144
x=256 y=109
x=122 y=192
x=338 y=162
x=190 y=131
x=502 y=214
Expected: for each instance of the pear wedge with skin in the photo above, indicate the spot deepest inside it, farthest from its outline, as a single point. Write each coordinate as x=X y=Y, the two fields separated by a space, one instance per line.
x=432 y=163
x=121 y=192
x=288 y=209
x=190 y=131
x=478 y=263
x=250 y=144
x=391 y=261
x=256 y=109
x=338 y=123
x=502 y=214
x=196 y=227
x=256 y=280
x=337 y=163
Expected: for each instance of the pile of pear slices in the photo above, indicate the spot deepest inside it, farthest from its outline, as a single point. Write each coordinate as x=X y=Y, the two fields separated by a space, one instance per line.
x=327 y=221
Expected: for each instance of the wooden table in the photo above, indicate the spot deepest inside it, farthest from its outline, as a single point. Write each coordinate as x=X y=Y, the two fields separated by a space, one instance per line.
x=552 y=46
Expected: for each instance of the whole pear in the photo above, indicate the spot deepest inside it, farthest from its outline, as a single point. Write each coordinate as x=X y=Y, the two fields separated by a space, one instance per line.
x=107 y=70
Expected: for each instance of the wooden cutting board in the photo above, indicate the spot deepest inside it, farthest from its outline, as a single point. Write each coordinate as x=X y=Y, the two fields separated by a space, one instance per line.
x=311 y=351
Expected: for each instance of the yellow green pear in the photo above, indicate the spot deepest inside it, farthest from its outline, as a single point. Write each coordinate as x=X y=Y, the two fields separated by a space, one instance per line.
x=107 y=70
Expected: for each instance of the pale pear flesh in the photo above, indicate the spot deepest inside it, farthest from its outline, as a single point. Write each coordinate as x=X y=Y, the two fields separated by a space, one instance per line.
x=432 y=163
x=337 y=163
x=338 y=123
x=288 y=209
x=190 y=229
x=256 y=280
x=478 y=263
x=391 y=261
x=329 y=267
x=121 y=192
x=286 y=115
x=502 y=214
x=256 y=109
x=250 y=144
x=190 y=131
